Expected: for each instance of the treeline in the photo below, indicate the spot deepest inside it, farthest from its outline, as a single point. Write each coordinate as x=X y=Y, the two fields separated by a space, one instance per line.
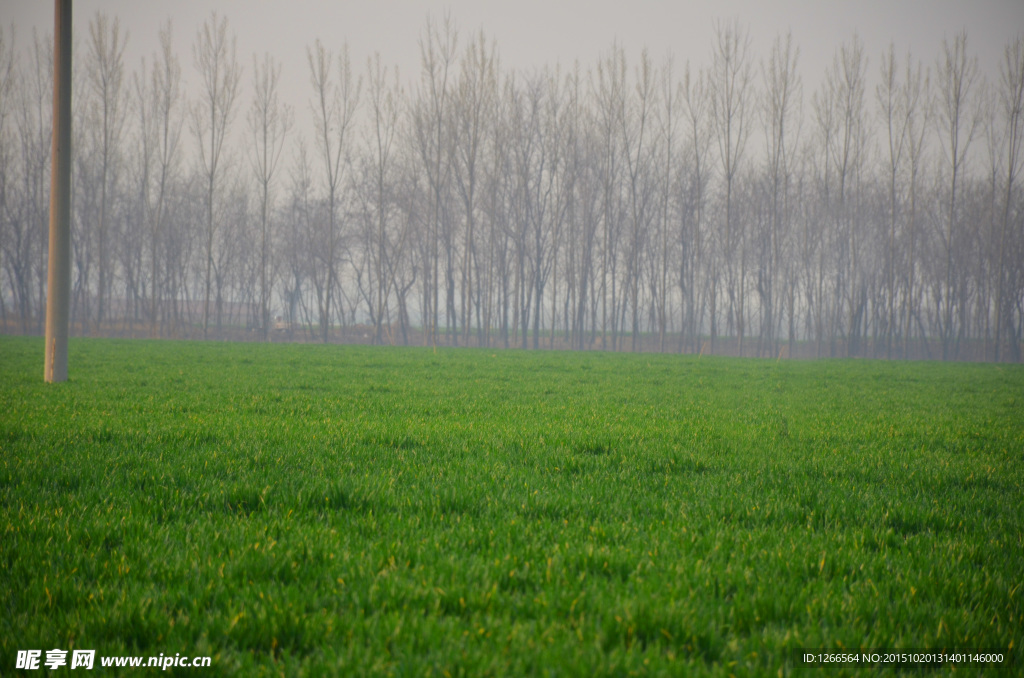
x=627 y=204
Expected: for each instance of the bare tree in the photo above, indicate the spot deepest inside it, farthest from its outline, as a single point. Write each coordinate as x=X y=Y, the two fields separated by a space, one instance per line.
x=546 y=195
x=896 y=112
x=162 y=112
x=957 y=74
x=23 y=244
x=918 y=111
x=146 y=135
x=336 y=97
x=609 y=92
x=825 y=118
x=269 y=123
x=212 y=114
x=8 y=73
x=433 y=132
x=299 y=241
x=780 y=105
x=842 y=108
x=523 y=103
x=635 y=123
x=383 y=95
x=1011 y=99
x=730 y=96
x=692 y=278
x=564 y=114
x=668 y=126
x=107 y=113
x=477 y=96
x=582 y=206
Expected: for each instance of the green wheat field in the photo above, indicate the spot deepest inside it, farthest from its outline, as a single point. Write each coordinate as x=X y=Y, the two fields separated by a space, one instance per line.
x=352 y=510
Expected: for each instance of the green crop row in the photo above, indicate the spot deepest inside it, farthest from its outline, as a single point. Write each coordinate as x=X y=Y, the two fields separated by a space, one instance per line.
x=297 y=509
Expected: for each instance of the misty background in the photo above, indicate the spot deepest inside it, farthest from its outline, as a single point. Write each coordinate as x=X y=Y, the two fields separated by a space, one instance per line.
x=743 y=178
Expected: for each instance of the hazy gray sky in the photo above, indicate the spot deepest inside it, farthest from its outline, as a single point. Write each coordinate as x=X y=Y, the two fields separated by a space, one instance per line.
x=534 y=33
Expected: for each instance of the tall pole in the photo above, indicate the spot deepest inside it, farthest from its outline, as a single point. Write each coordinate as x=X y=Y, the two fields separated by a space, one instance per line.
x=58 y=291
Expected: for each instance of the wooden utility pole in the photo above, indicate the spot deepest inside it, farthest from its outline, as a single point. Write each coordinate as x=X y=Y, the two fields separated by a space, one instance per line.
x=58 y=292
